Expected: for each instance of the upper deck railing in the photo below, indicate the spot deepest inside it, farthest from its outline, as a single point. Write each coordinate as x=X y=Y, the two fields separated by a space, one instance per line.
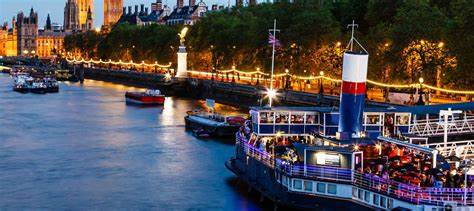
x=434 y=127
x=398 y=190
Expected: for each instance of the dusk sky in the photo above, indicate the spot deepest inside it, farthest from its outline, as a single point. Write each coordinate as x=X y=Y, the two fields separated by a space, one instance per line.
x=9 y=8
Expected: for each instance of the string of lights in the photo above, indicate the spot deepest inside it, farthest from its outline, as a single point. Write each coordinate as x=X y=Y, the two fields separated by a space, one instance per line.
x=100 y=61
x=258 y=72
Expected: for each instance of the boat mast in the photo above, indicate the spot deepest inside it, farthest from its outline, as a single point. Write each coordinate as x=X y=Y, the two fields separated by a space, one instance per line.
x=274 y=30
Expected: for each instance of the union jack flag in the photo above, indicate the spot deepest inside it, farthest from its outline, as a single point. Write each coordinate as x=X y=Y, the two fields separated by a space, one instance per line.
x=272 y=39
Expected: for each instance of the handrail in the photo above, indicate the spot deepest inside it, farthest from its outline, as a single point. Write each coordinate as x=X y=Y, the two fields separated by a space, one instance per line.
x=403 y=191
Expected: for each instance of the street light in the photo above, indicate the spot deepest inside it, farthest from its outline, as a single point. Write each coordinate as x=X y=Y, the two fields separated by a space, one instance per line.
x=420 y=94
x=321 y=74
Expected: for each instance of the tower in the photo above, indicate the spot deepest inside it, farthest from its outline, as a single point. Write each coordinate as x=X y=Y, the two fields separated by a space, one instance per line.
x=71 y=16
x=48 y=24
x=192 y=3
x=83 y=8
x=27 y=33
x=112 y=11
x=89 y=22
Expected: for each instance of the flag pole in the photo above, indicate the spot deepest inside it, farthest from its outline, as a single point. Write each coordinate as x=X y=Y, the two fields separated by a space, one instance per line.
x=273 y=61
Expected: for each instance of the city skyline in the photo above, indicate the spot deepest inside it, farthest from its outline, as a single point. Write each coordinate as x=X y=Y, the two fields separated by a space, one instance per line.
x=55 y=8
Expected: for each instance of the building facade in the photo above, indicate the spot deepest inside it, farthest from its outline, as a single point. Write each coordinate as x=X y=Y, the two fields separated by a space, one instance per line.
x=112 y=12
x=27 y=33
x=50 y=40
x=25 y=39
x=187 y=15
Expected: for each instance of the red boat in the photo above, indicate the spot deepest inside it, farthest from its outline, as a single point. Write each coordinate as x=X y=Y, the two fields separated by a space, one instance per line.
x=148 y=97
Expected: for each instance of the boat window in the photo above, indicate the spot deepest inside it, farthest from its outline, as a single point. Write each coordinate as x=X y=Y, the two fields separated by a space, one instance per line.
x=311 y=118
x=321 y=188
x=390 y=203
x=383 y=201
x=376 y=199
x=332 y=189
x=373 y=119
x=354 y=192
x=402 y=119
x=281 y=118
x=367 y=196
x=297 y=118
x=266 y=117
x=308 y=186
x=284 y=180
x=361 y=194
x=297 y=184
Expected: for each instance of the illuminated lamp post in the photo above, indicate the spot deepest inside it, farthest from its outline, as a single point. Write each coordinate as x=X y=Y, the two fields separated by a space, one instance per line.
x=420 y=92
x=287 y=80
x=258 y=76
x=233 y=73
x=321 y=90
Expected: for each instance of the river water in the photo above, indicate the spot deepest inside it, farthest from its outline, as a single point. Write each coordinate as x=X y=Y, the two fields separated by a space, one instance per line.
x=83 y=149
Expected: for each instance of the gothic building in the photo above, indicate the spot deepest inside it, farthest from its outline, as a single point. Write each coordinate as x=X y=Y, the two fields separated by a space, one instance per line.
x=50 y=40
x=27 y=34
x=84 y=6
x=112 y=12
x=71 y=17
x=77 y=14
x=8 y=39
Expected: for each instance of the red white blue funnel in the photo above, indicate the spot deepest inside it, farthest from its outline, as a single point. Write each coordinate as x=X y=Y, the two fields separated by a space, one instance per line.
x=354 y=77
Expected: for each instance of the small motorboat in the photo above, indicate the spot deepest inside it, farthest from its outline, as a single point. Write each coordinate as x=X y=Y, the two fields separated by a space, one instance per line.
x=204 y=124
x=148 y=97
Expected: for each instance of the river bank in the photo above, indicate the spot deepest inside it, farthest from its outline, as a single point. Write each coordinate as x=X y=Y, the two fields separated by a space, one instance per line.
x=223 y=92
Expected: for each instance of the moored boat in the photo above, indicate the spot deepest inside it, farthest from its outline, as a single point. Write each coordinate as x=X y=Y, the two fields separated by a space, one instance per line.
x=38 y=87
x=146 y=98
x=204 y=124
x=358 y=158
x=51 y=85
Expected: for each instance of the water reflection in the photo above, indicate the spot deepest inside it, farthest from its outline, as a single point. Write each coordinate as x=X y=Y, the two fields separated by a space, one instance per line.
x=83 y=148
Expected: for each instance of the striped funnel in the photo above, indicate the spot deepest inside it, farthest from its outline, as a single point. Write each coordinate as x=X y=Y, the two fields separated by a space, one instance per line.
x=354 y=76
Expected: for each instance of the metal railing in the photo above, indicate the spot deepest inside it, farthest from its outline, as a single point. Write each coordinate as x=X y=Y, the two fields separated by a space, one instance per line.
x=432 y=127
x=397 y=190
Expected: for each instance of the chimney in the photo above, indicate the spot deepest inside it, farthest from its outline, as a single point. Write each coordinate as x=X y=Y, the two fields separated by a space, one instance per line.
x=129 y=10
x=239 y=3
x=142 y=6
x=159 y=5
x=351 y=106
x=124 y=9
x=179 y=4
x=146 y=10
x=136 y=9
x=221 y=7
x=192 y=3
x=214 y=7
